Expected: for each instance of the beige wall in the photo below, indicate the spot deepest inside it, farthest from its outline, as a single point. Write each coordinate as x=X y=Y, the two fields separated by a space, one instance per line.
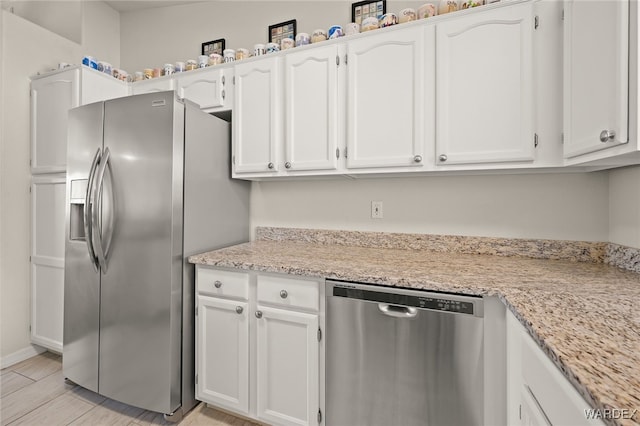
x=624 y=206
x=553 y=206
x=27 y=50
x=61 y=17
x=152 y=37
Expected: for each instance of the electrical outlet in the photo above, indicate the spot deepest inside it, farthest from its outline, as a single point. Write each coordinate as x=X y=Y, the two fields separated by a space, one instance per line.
x=376 y=210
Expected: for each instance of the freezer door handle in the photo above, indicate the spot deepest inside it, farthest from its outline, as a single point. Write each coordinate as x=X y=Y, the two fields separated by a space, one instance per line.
x=101 y=251
x=88 y=209
x=397 y=311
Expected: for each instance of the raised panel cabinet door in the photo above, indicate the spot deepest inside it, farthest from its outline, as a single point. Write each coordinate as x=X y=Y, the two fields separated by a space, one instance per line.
x=222 y=353
x=257 y=116
x=596 y=75
x=98 y=86
x=204 y=87
x=51 y=99
x=287 y=367
x=484 y=93
x=385 y=99
x=47 y=260
x=311 y=99
x=152 y=86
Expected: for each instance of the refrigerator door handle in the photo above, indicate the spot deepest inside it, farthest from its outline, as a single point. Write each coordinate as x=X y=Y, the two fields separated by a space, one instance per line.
x=101 y=251
x=88 y=208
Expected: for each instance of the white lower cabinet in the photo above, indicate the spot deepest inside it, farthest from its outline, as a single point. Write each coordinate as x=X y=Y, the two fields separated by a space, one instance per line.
x=287 y=371
x=258 y=345
x=223 y=353
x=538 y=394
x=47 y=260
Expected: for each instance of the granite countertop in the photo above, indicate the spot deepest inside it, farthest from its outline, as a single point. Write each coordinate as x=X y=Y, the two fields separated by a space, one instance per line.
x=583 y=314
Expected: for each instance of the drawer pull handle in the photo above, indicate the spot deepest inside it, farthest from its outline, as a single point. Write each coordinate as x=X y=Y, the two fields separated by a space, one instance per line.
x=258 y=314
x=283 y=294
x=218 y=284
x=239 y=309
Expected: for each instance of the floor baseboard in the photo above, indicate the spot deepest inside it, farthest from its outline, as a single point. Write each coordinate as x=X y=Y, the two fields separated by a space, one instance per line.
x=21 y=355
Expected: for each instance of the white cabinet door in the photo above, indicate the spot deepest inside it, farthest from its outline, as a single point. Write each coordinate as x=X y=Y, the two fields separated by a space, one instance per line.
x=154 y=85
x=288 y=367
x=47 y=260
x=206 y=87
x=538 y=393
x=51 y=99
x=385 y=103
x=98 y=86
x=596 y=75
x=531 y=413
x=484 y=87
x=222 y=353
x=257 y=116
x=311 y=99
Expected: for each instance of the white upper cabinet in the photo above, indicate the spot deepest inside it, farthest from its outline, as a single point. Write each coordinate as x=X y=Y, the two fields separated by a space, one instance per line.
x=153 y=85
x=485 y=103
x=385 y=98
x=596 y=76
x=206 y=87
x=312 y=109
x=257 y=116
x=51 y=98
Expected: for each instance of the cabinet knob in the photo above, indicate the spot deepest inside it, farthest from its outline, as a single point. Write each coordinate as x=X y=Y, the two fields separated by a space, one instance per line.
x=270 y=165
x=218 y=284
x=283 y=294
x=607 y=135
x=239 y=309
x=442 y=158
x=287 y=165
x=417 y=159
x=258 y=314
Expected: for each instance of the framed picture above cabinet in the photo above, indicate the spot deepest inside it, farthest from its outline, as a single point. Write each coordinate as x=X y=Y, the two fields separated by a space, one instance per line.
x=282 y=30
x=214 y=46
x=367 y=9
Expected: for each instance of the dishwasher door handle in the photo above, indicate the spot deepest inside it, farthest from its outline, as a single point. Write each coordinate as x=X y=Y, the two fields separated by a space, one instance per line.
x=397 y=311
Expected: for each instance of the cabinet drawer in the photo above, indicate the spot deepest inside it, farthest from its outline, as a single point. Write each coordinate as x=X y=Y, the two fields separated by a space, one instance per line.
x=296 y=293
x=553 y=394
x=222 y=283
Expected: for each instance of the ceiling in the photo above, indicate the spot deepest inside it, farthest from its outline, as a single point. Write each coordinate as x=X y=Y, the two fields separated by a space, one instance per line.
x=128 y=6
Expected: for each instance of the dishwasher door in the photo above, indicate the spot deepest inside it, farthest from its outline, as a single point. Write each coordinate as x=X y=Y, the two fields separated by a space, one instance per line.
x=403 y=357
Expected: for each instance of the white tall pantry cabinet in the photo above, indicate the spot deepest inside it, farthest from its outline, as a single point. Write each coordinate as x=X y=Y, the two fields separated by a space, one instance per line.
x=52 y=95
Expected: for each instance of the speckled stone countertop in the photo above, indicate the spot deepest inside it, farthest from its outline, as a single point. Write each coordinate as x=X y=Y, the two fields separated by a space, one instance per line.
x=583 y=314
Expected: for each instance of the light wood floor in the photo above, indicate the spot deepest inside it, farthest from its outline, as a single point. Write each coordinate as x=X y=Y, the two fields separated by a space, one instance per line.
x=34 y=392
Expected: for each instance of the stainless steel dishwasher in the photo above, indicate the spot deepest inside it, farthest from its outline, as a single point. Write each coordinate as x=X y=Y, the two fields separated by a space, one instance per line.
x=403 y=357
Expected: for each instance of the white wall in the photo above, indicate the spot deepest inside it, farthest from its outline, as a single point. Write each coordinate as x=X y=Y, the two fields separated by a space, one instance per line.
x=624 y=206
x=100 y=32
x=553 y=206
x=152 y=37
x=61 y=17
x=28 y=49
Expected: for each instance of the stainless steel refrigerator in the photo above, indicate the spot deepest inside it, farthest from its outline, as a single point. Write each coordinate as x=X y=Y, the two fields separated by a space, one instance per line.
x=148 y=184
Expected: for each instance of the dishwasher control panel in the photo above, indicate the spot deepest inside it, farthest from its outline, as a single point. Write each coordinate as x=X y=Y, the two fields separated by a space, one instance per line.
x=415 y=301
